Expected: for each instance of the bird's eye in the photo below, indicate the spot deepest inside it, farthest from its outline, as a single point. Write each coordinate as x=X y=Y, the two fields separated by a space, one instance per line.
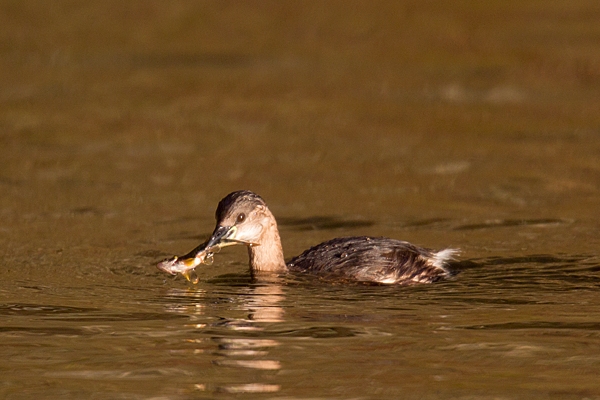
x=240 y=218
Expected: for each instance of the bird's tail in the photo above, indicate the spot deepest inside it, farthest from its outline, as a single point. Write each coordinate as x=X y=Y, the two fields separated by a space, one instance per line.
x=442 y=257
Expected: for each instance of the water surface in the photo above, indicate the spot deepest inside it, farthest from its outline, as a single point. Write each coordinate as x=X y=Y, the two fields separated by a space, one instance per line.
x=445 y=124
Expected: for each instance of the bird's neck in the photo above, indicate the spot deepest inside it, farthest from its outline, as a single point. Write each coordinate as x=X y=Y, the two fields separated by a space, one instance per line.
x=267 y=256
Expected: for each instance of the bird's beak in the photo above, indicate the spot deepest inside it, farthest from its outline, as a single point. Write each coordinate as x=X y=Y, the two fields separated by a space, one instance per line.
x=223 y=236
x=226 y=236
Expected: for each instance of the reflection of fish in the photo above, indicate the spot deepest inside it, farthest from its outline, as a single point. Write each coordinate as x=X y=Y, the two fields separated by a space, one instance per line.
x=185 y=265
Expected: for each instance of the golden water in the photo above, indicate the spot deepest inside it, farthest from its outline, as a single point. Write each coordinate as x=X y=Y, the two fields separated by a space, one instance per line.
x=447 y=124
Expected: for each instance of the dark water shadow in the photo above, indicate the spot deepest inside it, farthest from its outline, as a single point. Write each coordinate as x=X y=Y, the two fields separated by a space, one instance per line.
x=87 y=211
x=533 y=258
x=543 y=259
x=178 y=220
x=169 y=59
x=11 y=182
x=546 y=325
x=315 y=332
x=64 y=313
x=539 y=259
x=531 y=275
x=45 y=331
x=318 y=223
x=39 y=310
x=425 y=223
x=513 y=222
x=188 y=60
x=232 y=280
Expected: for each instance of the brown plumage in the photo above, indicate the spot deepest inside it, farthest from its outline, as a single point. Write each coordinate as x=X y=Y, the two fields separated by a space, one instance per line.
x=244 y=218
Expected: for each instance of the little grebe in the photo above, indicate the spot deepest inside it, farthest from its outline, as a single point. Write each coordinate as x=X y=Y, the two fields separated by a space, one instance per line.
x=244 y=218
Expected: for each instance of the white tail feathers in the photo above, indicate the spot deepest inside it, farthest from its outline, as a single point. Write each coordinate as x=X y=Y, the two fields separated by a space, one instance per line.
x=441 y=258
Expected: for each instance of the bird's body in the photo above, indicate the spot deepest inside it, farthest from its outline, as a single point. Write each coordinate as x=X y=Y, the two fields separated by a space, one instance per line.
x=244 y=218
x=372 y=259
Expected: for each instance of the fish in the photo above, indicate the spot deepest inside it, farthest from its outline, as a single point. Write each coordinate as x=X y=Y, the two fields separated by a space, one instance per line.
x=185 y=265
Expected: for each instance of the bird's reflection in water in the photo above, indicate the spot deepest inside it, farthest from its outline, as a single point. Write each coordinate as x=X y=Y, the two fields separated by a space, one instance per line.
x=238 y=340
x=263 y=301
